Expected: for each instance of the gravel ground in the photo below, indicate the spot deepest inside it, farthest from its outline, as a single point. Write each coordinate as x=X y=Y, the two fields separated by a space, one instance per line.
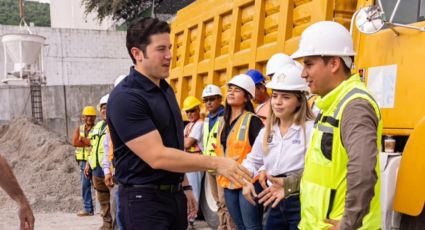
x=63 y=221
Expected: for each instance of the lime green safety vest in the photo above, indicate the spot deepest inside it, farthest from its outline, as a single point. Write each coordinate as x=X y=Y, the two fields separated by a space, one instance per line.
x=210 y=137
x=98 y=135
x=324 y=182
x=81 y=153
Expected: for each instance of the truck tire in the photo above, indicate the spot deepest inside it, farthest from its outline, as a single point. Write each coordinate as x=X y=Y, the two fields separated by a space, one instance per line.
x=208 y=205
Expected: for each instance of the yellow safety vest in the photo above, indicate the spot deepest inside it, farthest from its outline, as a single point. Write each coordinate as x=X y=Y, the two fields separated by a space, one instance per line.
x=81 y=153
x=237 y=145
x=97 y=152
x=324 y=182
x=210 y=137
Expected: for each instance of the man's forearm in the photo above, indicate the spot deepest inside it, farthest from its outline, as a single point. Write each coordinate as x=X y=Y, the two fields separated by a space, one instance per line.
x=175 y=160
x=9 y=183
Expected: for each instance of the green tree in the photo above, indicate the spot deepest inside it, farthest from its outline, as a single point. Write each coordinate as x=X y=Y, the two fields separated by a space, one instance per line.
x=38 y=13
x=126 y=10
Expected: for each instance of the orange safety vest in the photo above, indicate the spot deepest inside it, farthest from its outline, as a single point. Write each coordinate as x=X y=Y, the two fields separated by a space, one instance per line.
x=237 y=145
x=194 y=148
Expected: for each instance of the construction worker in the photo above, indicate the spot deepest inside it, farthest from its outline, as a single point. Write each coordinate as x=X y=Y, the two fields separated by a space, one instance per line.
x=237 y=132
x=81 y=142
x=94 y=165
x=262 y=98
x=280 y=147
x=146 y=130
x=212 y=97
x=193 y=135
x=340 y=187
x=108 y=171
x=11 y=186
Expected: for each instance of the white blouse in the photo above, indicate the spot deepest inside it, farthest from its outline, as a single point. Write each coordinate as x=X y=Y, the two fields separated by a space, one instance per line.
x=286 y=153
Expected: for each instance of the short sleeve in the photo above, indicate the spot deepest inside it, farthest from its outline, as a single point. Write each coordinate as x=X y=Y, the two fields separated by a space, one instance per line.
x=130 y=115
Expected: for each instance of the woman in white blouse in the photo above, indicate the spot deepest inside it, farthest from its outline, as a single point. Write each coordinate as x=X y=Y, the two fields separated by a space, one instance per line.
x=279 y=150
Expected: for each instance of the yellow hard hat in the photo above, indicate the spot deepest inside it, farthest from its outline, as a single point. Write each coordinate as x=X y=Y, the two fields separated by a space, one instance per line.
x=89 y=111
x=190 y=102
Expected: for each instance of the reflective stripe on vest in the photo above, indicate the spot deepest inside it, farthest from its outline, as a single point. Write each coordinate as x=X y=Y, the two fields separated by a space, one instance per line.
x=237 y=145
x=81 y=153
x=324 y=182
x=97 y=152
x=210 y=137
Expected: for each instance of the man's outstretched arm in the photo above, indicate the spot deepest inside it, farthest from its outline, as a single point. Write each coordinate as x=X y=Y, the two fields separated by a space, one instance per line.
x=9 y=184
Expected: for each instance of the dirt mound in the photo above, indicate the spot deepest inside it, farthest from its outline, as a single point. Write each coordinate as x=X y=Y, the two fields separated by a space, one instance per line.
x=44 y=165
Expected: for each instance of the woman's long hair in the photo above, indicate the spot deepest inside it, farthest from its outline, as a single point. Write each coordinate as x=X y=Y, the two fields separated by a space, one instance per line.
x=228 y=109
x=301 y=115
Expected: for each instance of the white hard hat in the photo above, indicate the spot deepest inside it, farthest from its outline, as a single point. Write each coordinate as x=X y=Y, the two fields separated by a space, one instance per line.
x=103 y=100
x=288 y=78
x=119 y=79
x=276 y=61
x=245 y=82
x=211 y=90
x=325 y=38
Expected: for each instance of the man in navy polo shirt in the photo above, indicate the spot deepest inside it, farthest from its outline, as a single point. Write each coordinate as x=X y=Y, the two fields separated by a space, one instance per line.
x=146 y=129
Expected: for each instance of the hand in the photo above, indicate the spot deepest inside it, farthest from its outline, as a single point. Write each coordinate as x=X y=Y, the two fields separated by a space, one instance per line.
x=87 y=169
x=248 y=191
x=108 y=180
x=232 y=170
x=26 y=217
x=273 y=194
x=262 y=178
x=192 y=206
x=335 y=224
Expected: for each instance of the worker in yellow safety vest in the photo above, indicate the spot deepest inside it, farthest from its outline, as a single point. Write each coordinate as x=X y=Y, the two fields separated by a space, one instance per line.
x=212 y=98
x=236 y=134
x=340 y=187
x=81 y=142
x=94 y=165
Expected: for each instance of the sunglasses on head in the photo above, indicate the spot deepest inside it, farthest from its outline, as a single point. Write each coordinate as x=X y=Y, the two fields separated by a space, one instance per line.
x=211 y=99
x=191 y=111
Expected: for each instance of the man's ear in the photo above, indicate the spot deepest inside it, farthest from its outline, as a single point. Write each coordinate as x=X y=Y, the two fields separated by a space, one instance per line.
x=137 y=54
x=335 y=64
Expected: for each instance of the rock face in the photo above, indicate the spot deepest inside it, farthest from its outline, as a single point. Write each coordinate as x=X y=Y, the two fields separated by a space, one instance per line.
x=44 y=164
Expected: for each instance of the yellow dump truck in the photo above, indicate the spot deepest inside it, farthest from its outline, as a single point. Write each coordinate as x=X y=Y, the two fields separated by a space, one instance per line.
x=214 y=40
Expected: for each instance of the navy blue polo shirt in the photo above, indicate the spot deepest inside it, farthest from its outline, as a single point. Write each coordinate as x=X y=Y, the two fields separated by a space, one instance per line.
x=136 y=107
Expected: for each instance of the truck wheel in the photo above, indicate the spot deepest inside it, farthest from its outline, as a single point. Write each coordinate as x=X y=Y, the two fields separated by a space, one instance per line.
x=208 y=205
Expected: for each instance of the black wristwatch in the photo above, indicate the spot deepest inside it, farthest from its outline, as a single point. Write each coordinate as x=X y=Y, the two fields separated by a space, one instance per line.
x=187 y=187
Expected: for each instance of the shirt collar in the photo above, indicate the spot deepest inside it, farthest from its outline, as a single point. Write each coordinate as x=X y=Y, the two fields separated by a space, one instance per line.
x=145 y=82
x=220 y=112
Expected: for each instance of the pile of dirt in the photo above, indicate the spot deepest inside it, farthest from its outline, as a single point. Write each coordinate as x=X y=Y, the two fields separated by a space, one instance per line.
x=44 y=165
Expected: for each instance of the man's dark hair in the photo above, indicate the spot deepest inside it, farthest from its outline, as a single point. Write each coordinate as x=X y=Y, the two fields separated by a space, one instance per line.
x=347 y=70
x=140 y=31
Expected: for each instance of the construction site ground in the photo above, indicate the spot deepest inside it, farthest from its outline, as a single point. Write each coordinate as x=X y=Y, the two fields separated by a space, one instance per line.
x=45 y=167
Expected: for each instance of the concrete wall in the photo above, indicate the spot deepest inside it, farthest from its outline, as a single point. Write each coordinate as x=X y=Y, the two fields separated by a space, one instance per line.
x=80 y=67
x=62 y=105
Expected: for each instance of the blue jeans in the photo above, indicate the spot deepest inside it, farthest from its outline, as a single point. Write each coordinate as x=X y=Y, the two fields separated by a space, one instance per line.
x=86 y=189
x=245 y=215
x=286 y=215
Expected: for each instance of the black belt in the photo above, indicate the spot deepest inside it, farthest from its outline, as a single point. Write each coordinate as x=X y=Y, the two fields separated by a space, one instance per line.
x=159 y=187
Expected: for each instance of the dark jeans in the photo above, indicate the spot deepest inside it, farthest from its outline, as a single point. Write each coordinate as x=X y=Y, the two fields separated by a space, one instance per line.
x=85 y=188
x=286 y=215
x=147 y=208
x=245 y=215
